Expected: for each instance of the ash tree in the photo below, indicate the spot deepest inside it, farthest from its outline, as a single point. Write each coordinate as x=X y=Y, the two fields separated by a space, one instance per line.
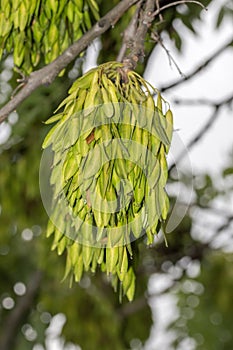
x=84 y=207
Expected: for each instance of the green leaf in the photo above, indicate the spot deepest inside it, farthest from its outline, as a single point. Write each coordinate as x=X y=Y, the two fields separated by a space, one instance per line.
x=220 y=17
x=227 y=172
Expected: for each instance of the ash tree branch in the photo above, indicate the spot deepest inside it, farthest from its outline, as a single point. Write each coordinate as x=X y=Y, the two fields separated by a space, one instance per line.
x=199 y=68
x=157 y=38
x=129 y=34
x=212 y=119
x=146 y=17
x=20 y=313
x=203 y=101
x=48 y=73
x=151 y=9
x=225 y=225
x=194 y=102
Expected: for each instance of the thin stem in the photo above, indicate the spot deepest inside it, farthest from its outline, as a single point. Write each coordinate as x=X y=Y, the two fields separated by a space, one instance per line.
x=159 y=10
x=199 y=68
x=158 y=39
x=212 y=119
x=20 y=313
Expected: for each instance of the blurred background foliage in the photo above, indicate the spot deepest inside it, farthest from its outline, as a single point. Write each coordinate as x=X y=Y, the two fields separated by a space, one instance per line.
x=31 y=291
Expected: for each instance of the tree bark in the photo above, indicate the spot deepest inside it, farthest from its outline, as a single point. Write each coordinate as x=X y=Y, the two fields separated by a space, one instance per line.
x=20 y=313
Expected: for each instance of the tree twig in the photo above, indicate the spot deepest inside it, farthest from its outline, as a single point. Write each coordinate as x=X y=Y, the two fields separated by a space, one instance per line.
x=212 y=119
x=202 y=101
x=129 y=34
x=145 y=21
x=199 y=68
x=175 y=3
x=48 y=73
x=18 y=315
x=225 y=225
x=155 y=36
x=194 y=102
x=158 y=8
x=137 y=50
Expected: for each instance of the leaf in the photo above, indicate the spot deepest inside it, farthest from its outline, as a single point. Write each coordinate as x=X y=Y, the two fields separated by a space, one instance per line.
x=186 y=21
x=54 y=118
x=227 y=172
x=220 y=17
x=176 y=37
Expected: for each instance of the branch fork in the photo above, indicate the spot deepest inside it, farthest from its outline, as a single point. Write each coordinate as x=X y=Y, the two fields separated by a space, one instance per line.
x=48 y=73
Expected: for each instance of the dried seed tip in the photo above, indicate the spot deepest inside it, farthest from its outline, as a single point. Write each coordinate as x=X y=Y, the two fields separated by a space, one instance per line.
x=91 y=137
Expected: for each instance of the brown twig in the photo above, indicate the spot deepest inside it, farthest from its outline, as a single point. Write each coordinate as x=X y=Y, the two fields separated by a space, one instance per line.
x=194 y=102
x=175 y=3
x=225 y=225
x=199 y=68
x=156 y=37
x=147 y=16
x=48 y=73
x=212 y=119
x=158 y=8
x=129 y=34
x=137 y=50
x=18 y=315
